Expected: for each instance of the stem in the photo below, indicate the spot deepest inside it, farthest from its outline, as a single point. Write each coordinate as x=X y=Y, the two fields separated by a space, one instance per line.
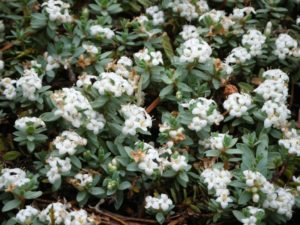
x=153 y=105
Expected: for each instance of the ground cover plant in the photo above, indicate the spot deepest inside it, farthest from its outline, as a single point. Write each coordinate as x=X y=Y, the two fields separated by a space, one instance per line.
x=149 y=112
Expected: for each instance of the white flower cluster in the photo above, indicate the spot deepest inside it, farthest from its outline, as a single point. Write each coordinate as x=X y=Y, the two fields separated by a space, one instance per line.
x=91 y=49
x=29 y=84
x=27 y=215
x=52 y=62
x=238 y=55
x=291 y=141
x=153 y=57
x=274 y=90
x=239 y=14
x=218 y=180
x=150 y=160
x=297 y=181
x=157 y=15
x=67 y=142
x=57 y=167
x=281 y=201
x=256 y=183
x=252 y=219
x=84 y=179
x=114 y=84
x=135 y=118
x=286 y=45
x=59 y=211
x=123 y=66
x=254 y=40
x=205 y=113
x=7 y=88
x=278 y=199
x=215 y=141
x=23 y=122
x=175 y=134
x=188 y=10
x=85 y=80
x=75 y=108
x=237 y=104
x=215 y=15
x=97 y=30
x=189 y=32
x=160 y=203
x=58 y=11
x=194 y=50
x=11 y=178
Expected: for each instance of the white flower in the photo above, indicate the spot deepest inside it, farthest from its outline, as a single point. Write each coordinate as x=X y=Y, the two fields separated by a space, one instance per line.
x=125 y=61
x=58 y=11
x=254 y=40
x=97 y=30
x=24 y=122
x=113 y=83
x=52 y=62
x=1 y=64
x=29 y=84
x=7 y=88
x=249 y=221
x=214 y=142
x=67 y=142
x=277 y=114
x=92 y=49
x=218 y=180
x=79 y=217
x=57 y=167
x=179 y=162
x=281 y=201
x=189 y=32
x=84 y=179
x=205 y=113
x=135 y=118
x=186 y=9
x=215 y=15
x=297 y=180
x=160 y=203
x=75 y=108
x=155 y=57
x=238 y=55
x=284 y=45
x=59 y=212
x=26 y=216
x=85 y=80
x=239 y=14
x=291 y=141
x=194 y=49
x=237 y=104
x=13 y=178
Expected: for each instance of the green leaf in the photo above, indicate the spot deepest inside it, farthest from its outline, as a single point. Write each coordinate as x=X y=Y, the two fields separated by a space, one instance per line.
x=81 y=196
x=244 y=197
x=166 y=91
x=32 y=194
x=75 y=161
x=49 y=117
x=12 y=204
x=166 y=43
x=11 y=155
x=160 y=218
x=97 y=191
x=238 y=215
x=124 y=185
x=38 y=20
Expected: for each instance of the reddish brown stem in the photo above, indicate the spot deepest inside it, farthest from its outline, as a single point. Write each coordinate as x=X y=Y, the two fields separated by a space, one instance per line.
x=153 y=105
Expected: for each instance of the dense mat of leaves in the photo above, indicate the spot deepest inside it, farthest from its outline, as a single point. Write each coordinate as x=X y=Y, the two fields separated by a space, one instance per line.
x=175 y=111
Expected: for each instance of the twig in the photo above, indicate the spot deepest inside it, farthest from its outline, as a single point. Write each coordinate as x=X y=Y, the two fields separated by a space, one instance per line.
x=153 y=105
x=7 y=46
